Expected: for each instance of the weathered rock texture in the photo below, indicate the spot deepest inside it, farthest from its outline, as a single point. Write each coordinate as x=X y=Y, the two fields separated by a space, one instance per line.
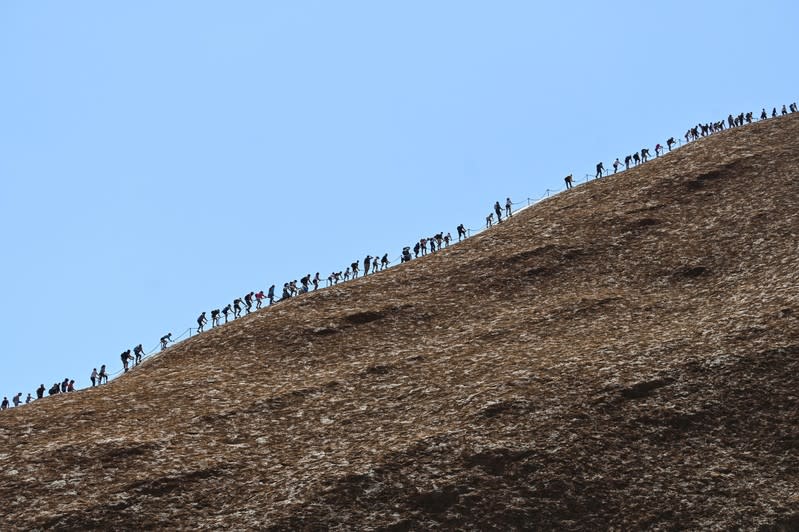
x=624 y=355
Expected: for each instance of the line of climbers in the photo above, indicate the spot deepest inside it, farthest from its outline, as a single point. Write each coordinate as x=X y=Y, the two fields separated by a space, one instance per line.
x=420 y=248
x=693 y=133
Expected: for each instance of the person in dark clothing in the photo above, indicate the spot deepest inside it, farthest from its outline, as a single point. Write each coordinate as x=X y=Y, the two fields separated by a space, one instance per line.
x=416 y=250
x=40 y=391
x=201 y=320
x=125 y=356
x=54 y=389
x=65 y=384
x=498 y=210
x=164 y=340
x=102 y=376
x=259 y=299
x=271 y=294
x=138 y=351
x=316 y=280
x=569 y=180
x=285 y=294
x=644 y=154
x=636 y=159
x=236 y=308
x=627 y=161
x=367 y=263
x=461 y=232
x=792 y=107
x=671 y=142
x=784 y=111
x=71 y=385
x=600 y=168
x=226 y=310
x=355 y=270
x=406 y=254
x=248 y=301
x=616 y=165
x=215 y=317
x=774 y=113
x=4 y=404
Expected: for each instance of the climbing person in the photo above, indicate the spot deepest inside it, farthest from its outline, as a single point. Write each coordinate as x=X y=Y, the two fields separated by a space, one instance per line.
x=406 y=254
x=375 y=264
x=600 y=168
x=490 y=220
x=508 y=208
x=4 y=404
x=367 y=263
x=644 y=155
x=763 y=114
x=498 y=210
x=792 y=107
x=784 y=110
x=316 y=280
x=102 y=376
x=17 y=399
x=616 y=165
x=423 y=246
x=447 y=239
x=271 y=294
x=347 y=274
x=226 y=310
x=215 y=317
x=71 y=385
x=54 y=389
x=259 y=299
x=461 y=232
x=670 y=142
x=93 y=377
x=305 y=281
x=138 y=352
x=636 y=159
x=201 y=320
x=65 y=384
x=237 y=308
x=569 y=180
x=627 y=161
x=384 y=262
x=248 y=301
x=285 y=294
x=125 y=356
x=40 y=391
x=774 y=113
x=658 y=149
x=29 y=398
x=354 y=267
x=164 y=340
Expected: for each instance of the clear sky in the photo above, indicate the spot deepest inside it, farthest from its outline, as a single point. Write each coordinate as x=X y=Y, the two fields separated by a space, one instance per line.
x=158 y=159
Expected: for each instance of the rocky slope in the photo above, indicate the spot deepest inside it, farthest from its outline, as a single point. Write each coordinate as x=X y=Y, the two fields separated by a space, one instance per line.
x=623 y=355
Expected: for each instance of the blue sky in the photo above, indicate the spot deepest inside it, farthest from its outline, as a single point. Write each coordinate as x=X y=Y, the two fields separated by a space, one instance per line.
x=158 y=159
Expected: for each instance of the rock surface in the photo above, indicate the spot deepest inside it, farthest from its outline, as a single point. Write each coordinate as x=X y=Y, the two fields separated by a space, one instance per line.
x=621 y=356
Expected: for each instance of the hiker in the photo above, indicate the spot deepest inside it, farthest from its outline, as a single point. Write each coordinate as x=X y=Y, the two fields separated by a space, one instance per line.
x=236 y=308
x=636 y=159
x=616 y=165
x=658 y=149
x=4 y=404
x=384 y=262
x=792 y=107
x=71 y=385
x=774 y=113
x=259 y=299
x=644 y=154
x=40 y=391
x=416 y=251
x=600 y=168
x=784 y=110
x=164 y=341
x=54 y=389
x=271 y=294
x=498 y=210
x=406 y=254
x=65 y=385
x=347 y=274
x=423 y=246
x=138 y=351
x=367 y=263
x=508 y=208
x=215 y=317
x=763 y=114
x=627 y=162
x=568 y=179
x=17 y=399
x=102 y=376
x=354 y=267
x=305 y=281
x=248 y=301
x=671 y=142
x=285 y=294
x=201 y=320
x=125 y=356
x=93 y=377
x=490 y=220
x=29 y=398
x=226 y=310
x=315 y=281
x=461 y=232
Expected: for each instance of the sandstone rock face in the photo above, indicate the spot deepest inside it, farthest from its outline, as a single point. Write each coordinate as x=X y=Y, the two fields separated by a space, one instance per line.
x=624 y=355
